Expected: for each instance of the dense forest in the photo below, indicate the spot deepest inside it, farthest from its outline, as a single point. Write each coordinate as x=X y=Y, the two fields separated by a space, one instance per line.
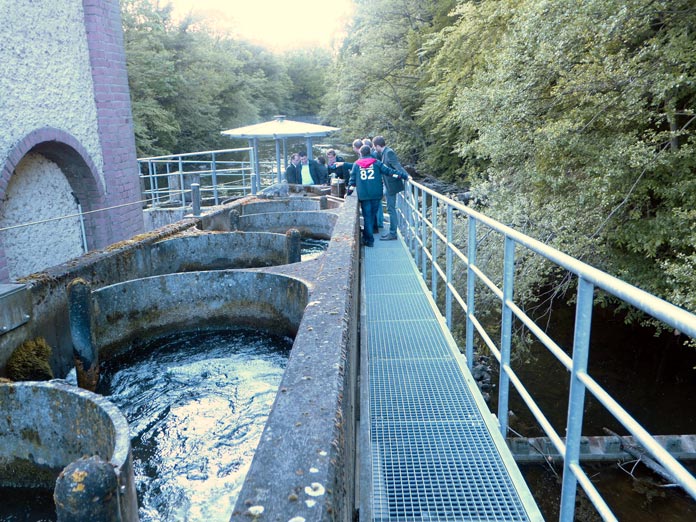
x=570 y=121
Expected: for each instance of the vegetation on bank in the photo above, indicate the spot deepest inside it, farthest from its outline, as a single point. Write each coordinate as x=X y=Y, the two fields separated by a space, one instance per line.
x=573 y=121
x=188 y=83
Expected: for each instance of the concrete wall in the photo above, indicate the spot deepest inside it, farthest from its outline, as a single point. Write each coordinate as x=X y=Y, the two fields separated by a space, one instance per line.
x=304 y=465
x=65 y=97
x=39 y=191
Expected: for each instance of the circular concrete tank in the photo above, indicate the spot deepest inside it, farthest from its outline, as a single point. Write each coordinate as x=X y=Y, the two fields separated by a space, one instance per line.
x=46 y=426
x=148 y=307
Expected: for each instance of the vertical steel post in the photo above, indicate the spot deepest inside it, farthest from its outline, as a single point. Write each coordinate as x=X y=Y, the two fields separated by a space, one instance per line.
x=433 y=248
x=152 y=172
x=576 y=399
x=448 y=269
x=424 y=235
x=277 y=147
x=506 y=334
x=470 y=291
x=256 y=175
x=215 y=182
x=181 y=181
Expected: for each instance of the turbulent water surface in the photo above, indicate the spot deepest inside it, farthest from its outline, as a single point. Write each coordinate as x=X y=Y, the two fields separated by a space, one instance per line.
x=196 y=404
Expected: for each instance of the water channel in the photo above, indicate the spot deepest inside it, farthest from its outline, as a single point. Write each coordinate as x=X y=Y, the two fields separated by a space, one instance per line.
x=196 y=404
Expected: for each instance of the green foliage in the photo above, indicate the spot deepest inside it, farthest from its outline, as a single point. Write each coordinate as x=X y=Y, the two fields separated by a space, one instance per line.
x=187 y=84
x=376 y=86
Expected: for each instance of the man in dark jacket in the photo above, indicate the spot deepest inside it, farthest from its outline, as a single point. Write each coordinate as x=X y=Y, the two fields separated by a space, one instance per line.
x=366 y=175
x=336 y=165
x=393 y=185
x=292 y=172
x=309 y=171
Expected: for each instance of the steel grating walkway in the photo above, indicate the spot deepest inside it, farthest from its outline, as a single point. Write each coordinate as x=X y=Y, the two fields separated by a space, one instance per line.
x=431 y=451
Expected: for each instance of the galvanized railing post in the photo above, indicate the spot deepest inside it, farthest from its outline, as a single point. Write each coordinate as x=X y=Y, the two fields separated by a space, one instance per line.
x=470 y=291
x=506 y=334
x=433 y=249
x=424 y=235
x=152 y=171
x=214 y=176
x=576 y=399
x=414 y=223
x=448 y=269
x=181 y=182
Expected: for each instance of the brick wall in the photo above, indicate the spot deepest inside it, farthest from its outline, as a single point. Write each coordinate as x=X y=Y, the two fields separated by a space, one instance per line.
x=115 y=122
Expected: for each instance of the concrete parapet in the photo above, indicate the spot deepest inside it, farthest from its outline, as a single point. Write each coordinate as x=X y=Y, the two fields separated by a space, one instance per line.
x=45 y=426
x=218 y=251
x=150 y=306
x=310 y=224
x=296 y=204
x=304 y=465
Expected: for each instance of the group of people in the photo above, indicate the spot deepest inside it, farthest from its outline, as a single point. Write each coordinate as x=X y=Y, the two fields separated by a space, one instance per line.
x=375 y=174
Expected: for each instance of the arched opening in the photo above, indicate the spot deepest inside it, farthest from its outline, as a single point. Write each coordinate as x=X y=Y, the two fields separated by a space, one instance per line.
x=53 y=182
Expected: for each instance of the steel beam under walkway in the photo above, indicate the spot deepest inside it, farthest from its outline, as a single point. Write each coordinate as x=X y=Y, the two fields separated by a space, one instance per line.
x=430 y=448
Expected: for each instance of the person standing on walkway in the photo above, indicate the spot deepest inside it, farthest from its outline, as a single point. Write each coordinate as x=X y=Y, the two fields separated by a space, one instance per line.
x=309 y=171
x=366 y=177
x=392 y=184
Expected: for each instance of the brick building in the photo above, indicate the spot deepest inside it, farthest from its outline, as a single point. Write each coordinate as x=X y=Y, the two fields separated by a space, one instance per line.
x=66 y=133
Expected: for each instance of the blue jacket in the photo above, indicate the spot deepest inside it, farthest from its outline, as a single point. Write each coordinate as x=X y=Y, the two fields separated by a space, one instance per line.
x=366 y=175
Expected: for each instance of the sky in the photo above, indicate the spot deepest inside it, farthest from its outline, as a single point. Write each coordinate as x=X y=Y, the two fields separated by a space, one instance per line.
x=275 y=24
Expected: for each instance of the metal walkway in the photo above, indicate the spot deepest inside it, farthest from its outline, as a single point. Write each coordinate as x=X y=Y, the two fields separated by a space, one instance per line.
x=431 y=450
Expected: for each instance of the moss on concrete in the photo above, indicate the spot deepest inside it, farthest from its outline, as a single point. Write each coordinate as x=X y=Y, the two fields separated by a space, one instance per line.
x=30 y=362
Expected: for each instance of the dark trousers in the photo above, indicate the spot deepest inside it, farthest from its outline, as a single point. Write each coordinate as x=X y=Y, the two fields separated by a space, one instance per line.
x=369 y=211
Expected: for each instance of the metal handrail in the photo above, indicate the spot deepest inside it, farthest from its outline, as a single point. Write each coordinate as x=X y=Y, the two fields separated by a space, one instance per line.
x=414 y=210
x=164 y=178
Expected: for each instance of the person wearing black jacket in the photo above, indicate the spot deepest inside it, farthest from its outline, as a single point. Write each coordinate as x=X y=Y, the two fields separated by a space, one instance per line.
x=336 y=166
x=292 y=172
x=393 y=185
x=309 y=171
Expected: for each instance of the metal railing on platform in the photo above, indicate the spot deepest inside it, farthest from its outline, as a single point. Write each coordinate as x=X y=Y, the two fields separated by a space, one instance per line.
x=221 y=174
x=422 y=211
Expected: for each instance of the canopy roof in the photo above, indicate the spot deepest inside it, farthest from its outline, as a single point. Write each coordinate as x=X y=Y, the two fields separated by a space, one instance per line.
x=280 y=128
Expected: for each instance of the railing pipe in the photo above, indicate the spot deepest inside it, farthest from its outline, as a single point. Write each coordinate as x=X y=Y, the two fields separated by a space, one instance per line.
x=470 y=291
x=181 y=181
x=506 y=334
x=214 y=179
x=448 y=269
x=433 y=248
x=424 y=236
x=576 y=399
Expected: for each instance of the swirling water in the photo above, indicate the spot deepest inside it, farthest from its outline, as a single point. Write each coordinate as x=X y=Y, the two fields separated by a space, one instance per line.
x=196 y=404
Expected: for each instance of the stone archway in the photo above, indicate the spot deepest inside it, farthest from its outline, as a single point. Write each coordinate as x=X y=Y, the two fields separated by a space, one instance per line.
x=50 y=172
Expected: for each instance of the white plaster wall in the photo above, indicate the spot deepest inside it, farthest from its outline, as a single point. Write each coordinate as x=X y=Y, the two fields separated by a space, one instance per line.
x=45 y=75
x=38 y=189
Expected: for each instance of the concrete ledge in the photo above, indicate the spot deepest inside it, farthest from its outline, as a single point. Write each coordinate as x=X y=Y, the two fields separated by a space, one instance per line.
x=310 y=224
x=218 y=251
x=304 y=465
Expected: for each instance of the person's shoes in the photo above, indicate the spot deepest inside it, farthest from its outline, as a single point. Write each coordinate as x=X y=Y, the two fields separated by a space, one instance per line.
x=375 y=229
x=388 y=237
x=370 y=245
